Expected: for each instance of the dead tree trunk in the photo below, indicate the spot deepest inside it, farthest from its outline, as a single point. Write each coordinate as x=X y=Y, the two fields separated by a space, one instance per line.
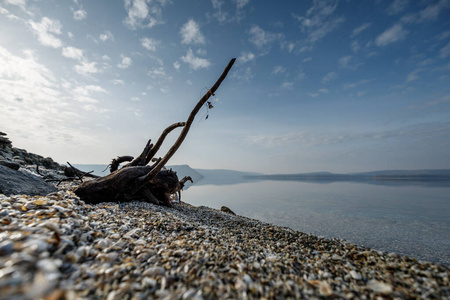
x=139 y=181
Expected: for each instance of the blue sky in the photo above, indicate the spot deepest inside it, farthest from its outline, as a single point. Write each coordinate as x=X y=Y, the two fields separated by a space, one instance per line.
x=341 y=86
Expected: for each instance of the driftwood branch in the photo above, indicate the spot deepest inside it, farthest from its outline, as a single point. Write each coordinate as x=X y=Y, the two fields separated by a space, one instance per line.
x=161 y=140
x=117 y=161
x=152 y=174
x=138 y=180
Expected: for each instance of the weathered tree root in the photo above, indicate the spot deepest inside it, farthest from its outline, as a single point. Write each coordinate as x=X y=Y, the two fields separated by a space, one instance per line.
x=137 y=180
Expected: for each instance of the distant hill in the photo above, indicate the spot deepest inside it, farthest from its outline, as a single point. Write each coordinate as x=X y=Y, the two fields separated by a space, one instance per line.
x=186 y=170
x=439 y=177
x=373 y=177
x=224 y=177
x=409 y=173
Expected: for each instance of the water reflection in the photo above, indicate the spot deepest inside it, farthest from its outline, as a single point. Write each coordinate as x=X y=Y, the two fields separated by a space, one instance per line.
x=410 y=219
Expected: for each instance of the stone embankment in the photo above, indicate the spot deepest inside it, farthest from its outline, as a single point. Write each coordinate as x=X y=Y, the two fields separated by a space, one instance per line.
x=19 y=173
x=21 y=157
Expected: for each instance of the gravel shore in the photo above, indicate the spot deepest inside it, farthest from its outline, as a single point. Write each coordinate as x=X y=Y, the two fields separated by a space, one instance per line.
x=57 y=247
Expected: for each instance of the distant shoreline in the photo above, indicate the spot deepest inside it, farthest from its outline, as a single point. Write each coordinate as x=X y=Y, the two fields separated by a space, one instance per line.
x=350 y=177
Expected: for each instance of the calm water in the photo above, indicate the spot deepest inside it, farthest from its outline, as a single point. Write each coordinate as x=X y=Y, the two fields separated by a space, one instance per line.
x=411 y=220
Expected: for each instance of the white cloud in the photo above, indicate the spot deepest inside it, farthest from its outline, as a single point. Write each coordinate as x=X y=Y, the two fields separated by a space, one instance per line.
x=301 y=138
x=45 y=31
x=241 y=3
x=106 y=57
x=190 y=33
x=329 y=77
x=444 y=35
x=397 y=7
x=243 y=74
x=445 y=51
x=159 y=73
x=73 y=53
x=149 y=43
x=176 y=65
x=107 y=35
x=318 y=93
x=223 y=16
x=263 y=39
x=344 y=61
x=159 y=78
x=300 y=74
x=287 y=85
x=246 y=57
x=319 y=21
x=20 y=3
x=195 y=62
x=125 y=63
x=360 y=29
x=355 y=46
x=118 y=82
x=219 y=15
x=137 y=12
x=24 y=75
x=278 y=70
x=414 y=75
x=142 y=13
x=83 y=93
x=439 y=101
x=201 y=51
x=134 y=99
x=350 y=85
x=31 y=101
x=432 y=11
x=429 y=13
x=391 y=35
x=79 y=15
x=86 y=68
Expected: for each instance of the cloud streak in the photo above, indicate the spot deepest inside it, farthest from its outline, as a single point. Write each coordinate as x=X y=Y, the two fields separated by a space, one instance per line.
x=143 y=14
x=73 y=53
x=125 y=62
x=149 y=43
x=31 y=97
x=195 y=62
x=358 y=30
x=418 y=132
x=263 y=39
x=191 y=34
x=391 y=35
x=318 y=21
x=46 y=31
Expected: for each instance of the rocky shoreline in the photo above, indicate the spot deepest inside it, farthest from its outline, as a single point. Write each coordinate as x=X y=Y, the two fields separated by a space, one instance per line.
x=58 y=247
x=55 y=246
x=20 y=173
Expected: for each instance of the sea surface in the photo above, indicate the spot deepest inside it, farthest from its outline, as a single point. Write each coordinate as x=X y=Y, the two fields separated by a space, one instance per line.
x=407 y=218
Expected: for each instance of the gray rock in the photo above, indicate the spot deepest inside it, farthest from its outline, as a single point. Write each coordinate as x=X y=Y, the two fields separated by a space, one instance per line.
x=10 y=164
x=14 y=182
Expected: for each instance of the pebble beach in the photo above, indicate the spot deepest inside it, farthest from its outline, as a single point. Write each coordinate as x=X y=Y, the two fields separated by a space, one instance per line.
x=58 y=247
